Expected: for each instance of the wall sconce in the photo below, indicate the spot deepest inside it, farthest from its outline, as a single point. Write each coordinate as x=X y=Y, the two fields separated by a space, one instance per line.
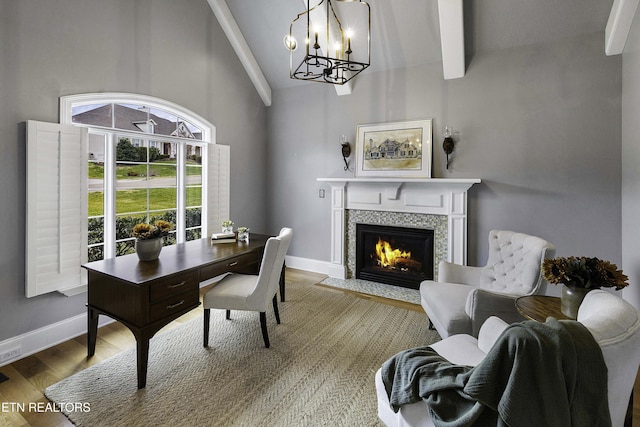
x=346 y=150
x=448 y=144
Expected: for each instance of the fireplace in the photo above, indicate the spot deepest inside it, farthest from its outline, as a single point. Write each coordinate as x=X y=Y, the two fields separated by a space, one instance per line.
x=430 y=203
x=394 y=255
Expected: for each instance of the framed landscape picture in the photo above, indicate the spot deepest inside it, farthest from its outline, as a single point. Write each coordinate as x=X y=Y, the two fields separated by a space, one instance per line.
x=394 y=150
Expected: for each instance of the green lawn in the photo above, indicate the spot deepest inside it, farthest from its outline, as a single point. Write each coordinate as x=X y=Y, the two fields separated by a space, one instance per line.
x=135 y=171
x=136 y=200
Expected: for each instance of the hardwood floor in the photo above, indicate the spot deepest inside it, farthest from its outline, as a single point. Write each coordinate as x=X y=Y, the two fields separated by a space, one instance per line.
x=28 y=377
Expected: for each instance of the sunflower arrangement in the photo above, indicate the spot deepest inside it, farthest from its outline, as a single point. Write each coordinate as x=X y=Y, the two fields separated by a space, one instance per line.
x=145 y=231
x=584 y=272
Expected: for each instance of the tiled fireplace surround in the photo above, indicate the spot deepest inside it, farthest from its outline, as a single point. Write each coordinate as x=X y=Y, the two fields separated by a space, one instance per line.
x=437 y=204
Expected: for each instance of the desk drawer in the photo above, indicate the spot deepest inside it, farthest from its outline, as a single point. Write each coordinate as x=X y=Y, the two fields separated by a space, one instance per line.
x=249 y=263
x=173 y=285
x=173 y=305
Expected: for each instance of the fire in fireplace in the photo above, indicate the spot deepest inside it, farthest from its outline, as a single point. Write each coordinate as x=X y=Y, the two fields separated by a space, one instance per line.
x=394 y=255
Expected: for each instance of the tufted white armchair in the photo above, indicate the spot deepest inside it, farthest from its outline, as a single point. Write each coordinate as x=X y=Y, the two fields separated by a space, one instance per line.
x=464 y=297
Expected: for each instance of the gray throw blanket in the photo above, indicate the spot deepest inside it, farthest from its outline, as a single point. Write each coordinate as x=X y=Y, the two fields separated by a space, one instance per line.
x=536 y=374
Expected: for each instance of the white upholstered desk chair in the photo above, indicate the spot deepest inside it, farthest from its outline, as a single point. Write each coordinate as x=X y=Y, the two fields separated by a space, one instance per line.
x=251 y=292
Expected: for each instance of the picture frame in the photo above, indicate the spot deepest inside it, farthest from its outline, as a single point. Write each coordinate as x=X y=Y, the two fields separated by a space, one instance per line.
x=395 y=149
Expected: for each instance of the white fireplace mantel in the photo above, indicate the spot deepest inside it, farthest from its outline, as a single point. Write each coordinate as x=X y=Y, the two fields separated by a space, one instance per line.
x=435 y=196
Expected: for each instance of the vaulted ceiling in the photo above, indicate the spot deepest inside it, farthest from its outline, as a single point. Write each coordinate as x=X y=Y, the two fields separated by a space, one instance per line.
x=407 y=33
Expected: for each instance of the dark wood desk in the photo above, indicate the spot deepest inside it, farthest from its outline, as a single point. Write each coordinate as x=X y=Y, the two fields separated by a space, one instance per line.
x=146 y=296
x=539 y=307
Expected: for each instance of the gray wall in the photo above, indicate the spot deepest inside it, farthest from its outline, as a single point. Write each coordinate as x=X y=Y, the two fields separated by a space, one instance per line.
x=631 y=163
x=173 y=50
x=539 y=125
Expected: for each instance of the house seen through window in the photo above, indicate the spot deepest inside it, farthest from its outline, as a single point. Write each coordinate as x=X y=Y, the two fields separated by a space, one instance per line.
x=145 y=163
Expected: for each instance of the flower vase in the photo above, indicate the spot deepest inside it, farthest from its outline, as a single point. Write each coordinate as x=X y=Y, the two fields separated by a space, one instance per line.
x=571 y=299
x=148 y=249
x=227 y=229
x=243 y=236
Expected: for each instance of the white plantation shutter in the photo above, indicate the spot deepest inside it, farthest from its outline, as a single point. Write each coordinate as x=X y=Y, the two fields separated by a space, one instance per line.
x=56 y=207
x=219 y=171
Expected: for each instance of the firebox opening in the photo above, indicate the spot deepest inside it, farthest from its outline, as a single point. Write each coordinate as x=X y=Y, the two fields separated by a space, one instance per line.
x=394 y=255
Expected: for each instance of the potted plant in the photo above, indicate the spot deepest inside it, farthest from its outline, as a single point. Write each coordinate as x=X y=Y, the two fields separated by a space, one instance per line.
x=580 y=275
x=243 y=234
x=149 y=238
x=227 y=226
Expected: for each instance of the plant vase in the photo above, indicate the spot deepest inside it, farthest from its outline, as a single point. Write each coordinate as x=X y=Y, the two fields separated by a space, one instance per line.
x=243 y=236
x=227 y=229
x=570 y=300
x=148 y=249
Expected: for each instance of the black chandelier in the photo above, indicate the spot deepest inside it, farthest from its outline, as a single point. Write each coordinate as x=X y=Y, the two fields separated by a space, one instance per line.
x=332 y=53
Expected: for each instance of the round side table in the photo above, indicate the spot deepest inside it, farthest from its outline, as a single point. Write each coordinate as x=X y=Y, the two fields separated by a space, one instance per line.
x=539 y=307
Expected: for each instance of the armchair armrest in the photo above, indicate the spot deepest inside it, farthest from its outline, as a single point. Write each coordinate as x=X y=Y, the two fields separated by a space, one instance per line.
x=482 y=304
x=456 y=273
x=489 y=333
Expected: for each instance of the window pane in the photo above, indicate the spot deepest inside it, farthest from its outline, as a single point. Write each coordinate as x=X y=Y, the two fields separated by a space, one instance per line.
x=194 y=234
x=166 y=151
x=95 y=173
x=170 y=239
x=96 y=253
x=95 y=196
x=96 y=147
x=96 y=203
x=96 y=230
x=125 y=224
x=125 y=243
x=125 y=247
x=131 y=150
x=194 y=131
x=194 y=155
x=131 y=117
x=132 y=176
x=162 y=198
x=131 y=201
x=193 y=217
x=163 y=123
x=95 y=114
x=96 y=238
x=194 y=175
x=194 y=196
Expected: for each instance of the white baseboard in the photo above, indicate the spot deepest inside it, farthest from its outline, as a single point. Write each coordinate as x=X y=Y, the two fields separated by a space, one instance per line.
x=47 y=336
x=324 y=267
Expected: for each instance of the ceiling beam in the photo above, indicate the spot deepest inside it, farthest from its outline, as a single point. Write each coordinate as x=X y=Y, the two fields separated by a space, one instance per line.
x=452 y=38
x=618 y=25
x=239 y=44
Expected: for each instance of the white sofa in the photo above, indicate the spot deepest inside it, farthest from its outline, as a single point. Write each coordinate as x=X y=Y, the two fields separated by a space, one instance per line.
x=464 y=297
x=614 y=323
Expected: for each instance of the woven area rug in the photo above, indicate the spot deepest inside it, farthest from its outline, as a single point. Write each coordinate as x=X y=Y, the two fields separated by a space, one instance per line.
x=319 y=370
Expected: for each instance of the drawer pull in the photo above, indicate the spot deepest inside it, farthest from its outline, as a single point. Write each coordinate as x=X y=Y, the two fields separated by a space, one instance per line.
x=170 y=306
x=232 y=264
x=177 y=285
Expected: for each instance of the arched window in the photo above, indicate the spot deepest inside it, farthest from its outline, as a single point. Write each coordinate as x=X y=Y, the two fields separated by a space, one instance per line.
x=115 y=160
x=147 y=160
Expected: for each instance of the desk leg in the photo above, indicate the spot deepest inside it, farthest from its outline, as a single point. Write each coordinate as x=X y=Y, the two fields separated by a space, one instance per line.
x=282 y=282
x=143 y=360
x=92 y=331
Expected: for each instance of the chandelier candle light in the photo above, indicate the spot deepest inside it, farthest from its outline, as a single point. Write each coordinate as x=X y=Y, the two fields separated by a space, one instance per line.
x=338 y=52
